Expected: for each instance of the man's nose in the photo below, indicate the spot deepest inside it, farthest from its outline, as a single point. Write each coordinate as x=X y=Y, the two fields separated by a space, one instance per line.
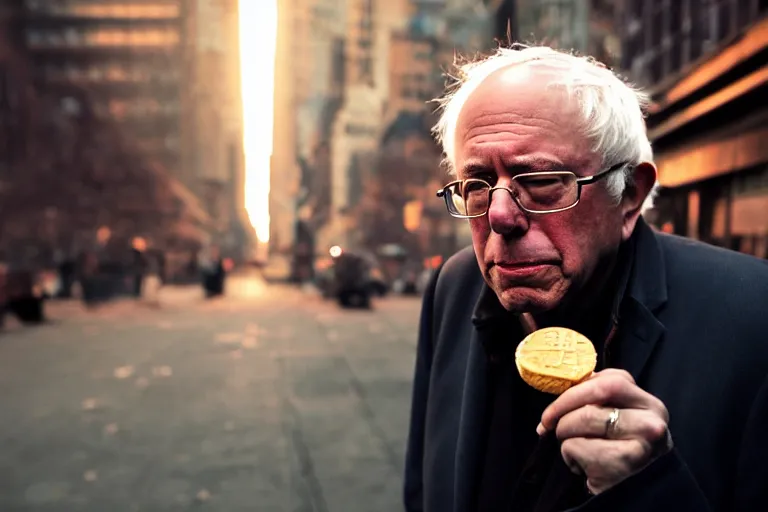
x=505 y=216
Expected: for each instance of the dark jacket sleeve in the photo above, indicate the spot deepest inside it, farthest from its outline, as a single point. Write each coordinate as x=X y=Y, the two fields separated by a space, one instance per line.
x=752 y=474
x=667 y=484
x=413 y=484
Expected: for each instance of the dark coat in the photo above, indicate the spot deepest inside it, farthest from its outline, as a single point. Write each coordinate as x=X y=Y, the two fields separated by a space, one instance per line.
x=694 y=333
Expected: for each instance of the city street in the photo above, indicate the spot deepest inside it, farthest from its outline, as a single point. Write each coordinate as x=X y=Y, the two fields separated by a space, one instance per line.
x=270 y=399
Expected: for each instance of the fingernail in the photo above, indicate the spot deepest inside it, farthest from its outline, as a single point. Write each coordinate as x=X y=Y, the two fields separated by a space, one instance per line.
x=540 y=430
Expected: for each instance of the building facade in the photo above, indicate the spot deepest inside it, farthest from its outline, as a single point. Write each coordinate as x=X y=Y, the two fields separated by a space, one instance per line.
x=588 y=27
x=128 y=55
x=212 y=124
x=92 y=114
x=340 y=110
x=704 y=63
x=360 y=119
x=145 y=97
x=284 y=169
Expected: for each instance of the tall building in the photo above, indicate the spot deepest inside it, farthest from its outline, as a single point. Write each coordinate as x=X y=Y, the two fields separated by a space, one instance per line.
x=413 y=72
x=128 y=55
x=562 y=23
x=504 y=13
x=469 y=25
x=420 y=58
x=319 y=85
x=212 y=123
x=589 y=27
x=360 y=68
x=704 y=62
x=16 y=84
x=360 y=120
x=104 y=104
x=284 y=169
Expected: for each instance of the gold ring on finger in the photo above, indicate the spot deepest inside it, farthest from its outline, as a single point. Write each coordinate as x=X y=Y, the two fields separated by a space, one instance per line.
x=612 y=425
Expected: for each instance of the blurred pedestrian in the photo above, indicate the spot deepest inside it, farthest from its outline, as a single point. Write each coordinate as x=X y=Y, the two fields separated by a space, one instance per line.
x=153 y=281
x=213 y=272
x=138 y=266
x=554 y=169
x=87 y=276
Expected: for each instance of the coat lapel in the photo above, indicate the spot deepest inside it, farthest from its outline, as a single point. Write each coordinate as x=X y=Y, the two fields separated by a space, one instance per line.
x=643 y=332
x=640 y=330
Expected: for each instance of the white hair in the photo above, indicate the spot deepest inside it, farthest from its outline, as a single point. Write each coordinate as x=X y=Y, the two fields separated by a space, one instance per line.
x=612 y=110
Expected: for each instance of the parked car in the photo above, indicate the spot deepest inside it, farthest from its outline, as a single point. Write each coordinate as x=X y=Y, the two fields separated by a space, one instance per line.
x=378 y=282
x=348 y=279
x=352 y=281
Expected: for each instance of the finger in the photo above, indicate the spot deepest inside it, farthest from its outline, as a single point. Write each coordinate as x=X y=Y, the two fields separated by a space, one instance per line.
x=591 y=421
x=614 y=372
x=611 y=389
x=604 y=462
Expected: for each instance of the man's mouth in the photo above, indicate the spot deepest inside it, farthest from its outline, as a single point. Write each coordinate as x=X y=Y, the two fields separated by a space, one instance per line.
x=523 y=268
x=524 y=263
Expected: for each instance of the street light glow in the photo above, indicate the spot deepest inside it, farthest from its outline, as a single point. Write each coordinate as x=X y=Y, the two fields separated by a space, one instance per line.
x=258 y=39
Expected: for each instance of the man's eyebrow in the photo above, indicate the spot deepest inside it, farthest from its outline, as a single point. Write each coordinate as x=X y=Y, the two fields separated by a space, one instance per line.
x=532 y=165
x=476 y=168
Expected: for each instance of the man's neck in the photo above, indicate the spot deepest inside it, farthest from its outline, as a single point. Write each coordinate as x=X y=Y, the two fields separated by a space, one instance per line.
x=590 y=311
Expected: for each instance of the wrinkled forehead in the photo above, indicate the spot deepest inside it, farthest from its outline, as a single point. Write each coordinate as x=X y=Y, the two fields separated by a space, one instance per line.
x=524 y=101
x=532 y=85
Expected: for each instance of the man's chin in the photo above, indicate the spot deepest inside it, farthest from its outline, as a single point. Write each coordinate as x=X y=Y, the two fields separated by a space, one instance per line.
x=521 y=299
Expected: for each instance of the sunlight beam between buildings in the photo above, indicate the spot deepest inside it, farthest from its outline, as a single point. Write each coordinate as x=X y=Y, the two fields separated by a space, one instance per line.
x=258 y=39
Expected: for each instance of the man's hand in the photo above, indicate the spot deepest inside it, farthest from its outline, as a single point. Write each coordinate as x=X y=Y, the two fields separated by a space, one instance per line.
x=597 y=442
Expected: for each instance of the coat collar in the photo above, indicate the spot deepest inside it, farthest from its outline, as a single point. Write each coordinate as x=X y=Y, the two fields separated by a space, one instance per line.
x=648 y=283
x=639 y=327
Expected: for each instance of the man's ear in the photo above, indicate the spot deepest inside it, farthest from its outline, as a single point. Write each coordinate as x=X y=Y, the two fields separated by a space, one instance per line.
x=640 y=184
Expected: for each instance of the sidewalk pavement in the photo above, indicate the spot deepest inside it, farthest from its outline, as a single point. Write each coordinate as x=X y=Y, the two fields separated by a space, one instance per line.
x=170 y=296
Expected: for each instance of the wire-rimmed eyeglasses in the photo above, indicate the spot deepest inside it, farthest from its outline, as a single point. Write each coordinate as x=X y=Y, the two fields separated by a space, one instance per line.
x=534 y=192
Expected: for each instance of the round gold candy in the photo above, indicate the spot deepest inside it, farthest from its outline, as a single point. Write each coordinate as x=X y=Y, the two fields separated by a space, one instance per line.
x=555 y=358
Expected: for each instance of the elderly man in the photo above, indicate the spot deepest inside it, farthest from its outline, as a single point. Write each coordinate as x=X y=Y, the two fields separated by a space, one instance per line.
x=553 y=169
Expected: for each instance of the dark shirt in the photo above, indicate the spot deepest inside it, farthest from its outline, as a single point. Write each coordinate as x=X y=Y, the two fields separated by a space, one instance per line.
x=521 y=471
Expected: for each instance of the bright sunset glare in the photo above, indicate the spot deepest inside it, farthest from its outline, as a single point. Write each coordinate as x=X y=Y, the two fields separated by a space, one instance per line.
x=258 y=36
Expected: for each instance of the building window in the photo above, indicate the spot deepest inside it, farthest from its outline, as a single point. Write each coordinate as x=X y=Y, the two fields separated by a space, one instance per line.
x=34 y=37
x=109 y=10
x=663 y=36
x=366 y=67
x=75 y=37
x=71 y=106
x=115 y=73
x=72 y=37
x=368 y=9
x=96 y=73
x=72 y=73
